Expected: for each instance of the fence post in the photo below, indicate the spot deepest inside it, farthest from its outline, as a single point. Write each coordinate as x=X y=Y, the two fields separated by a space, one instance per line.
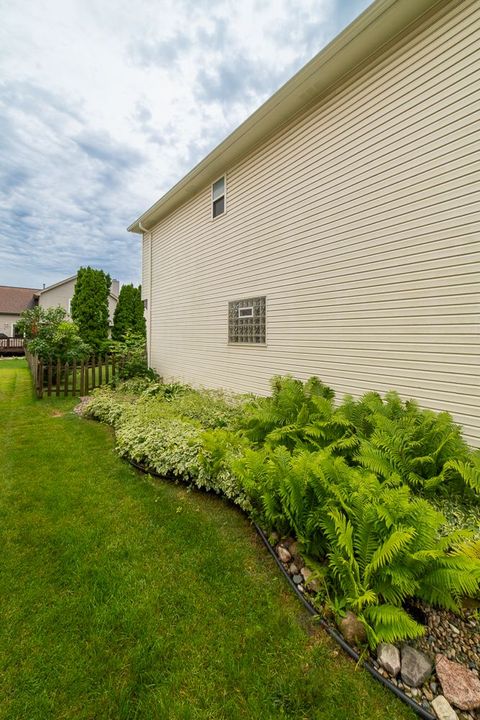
x=39 y=379
x=66 y=380
x=59 y=372
x=82 y=378
x=100 y=370
x=74 y=378
x=49 y=377
x=107 y=368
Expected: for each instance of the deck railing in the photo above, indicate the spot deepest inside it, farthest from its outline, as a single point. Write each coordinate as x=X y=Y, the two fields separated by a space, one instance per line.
x=12 y=346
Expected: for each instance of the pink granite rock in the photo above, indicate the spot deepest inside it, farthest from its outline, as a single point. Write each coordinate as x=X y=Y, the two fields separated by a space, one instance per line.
x=460 y=685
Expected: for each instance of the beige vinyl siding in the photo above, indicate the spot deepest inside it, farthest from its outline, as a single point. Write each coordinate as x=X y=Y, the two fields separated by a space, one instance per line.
x=146 y=273
x=146 y=266
x=60 y=296
x=360 y=224
x=7 y=321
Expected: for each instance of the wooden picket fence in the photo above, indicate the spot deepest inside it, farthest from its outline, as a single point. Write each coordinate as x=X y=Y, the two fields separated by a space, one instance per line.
x=78 y=378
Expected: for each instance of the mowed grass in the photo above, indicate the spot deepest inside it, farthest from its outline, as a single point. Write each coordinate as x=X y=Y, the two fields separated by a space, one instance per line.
x=127 y=598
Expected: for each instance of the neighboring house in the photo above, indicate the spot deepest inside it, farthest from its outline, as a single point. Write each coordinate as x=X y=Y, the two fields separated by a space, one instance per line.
x=13 y=301
x=336 y=231
x=60 y=295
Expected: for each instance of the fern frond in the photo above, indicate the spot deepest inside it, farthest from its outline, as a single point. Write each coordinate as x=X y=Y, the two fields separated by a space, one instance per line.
x=468 y=472
x=391 y=623
x=366 y=598
x=374 y=459
x=384 y=554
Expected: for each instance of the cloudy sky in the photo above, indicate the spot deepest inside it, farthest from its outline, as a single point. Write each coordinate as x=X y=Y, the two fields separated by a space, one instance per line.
x=105 y=105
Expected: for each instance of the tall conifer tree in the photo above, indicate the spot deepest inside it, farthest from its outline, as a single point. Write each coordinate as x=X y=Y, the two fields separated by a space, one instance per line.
x=129 y=315
x=89 y=306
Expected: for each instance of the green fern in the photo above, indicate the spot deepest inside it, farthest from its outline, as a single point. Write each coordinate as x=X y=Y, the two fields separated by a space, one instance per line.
x=389 y=623
x=467 y=471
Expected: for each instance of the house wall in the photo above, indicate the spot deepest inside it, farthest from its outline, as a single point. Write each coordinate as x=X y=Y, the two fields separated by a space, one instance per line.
x=359 y=222
x=146 y=272
x=62 y=294
x=6 y=322
x=58 y=296
x=112 y=304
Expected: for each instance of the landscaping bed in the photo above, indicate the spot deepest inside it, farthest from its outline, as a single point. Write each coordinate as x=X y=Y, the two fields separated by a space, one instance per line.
x=450 y=640
x=358 y=487
x=124 y=597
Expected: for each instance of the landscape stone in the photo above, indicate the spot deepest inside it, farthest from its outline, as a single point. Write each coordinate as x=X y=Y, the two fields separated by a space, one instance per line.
x=352 y=629
x=283 y=554
x=295 y=553
x=311 y=584
x=389 y=658
x=297 y=579
x=443 y=709
x=460 y=686
x=415 y=666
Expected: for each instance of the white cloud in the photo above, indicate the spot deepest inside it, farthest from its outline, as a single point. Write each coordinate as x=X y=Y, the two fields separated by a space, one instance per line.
x=103 y=106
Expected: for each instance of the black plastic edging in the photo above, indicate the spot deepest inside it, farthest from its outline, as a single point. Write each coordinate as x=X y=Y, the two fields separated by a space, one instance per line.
x=340 y=640
x=418 y=709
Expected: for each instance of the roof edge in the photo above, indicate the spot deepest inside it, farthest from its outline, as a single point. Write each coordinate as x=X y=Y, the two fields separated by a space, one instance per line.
x=57 y=284
x=18 y=287
x=66 y=280
x=366 y=35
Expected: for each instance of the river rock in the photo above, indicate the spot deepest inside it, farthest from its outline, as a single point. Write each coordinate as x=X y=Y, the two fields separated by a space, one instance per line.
x=283 y=554
x=415 y=666
x=352 y=629
x=311 y=584
x=295 y=553
x=389 y=658
x=443 y=709
x=460 y=685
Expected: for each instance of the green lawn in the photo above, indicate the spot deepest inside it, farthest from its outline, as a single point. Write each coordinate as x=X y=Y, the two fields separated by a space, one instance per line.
x=123 y=598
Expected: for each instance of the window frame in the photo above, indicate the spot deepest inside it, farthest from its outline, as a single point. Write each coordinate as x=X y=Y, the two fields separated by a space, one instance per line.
x=247 y=307
x=212 y=201
x=251 y=299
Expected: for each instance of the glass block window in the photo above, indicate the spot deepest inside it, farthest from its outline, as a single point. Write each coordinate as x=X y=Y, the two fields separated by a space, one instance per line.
x=246 y=321
x=218 y=197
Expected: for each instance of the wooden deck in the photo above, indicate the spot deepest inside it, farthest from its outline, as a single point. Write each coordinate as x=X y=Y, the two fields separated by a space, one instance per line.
x=12 y=346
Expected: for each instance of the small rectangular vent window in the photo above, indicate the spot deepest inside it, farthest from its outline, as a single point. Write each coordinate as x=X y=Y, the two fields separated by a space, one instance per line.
x=247 y=321
x=218 y=197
